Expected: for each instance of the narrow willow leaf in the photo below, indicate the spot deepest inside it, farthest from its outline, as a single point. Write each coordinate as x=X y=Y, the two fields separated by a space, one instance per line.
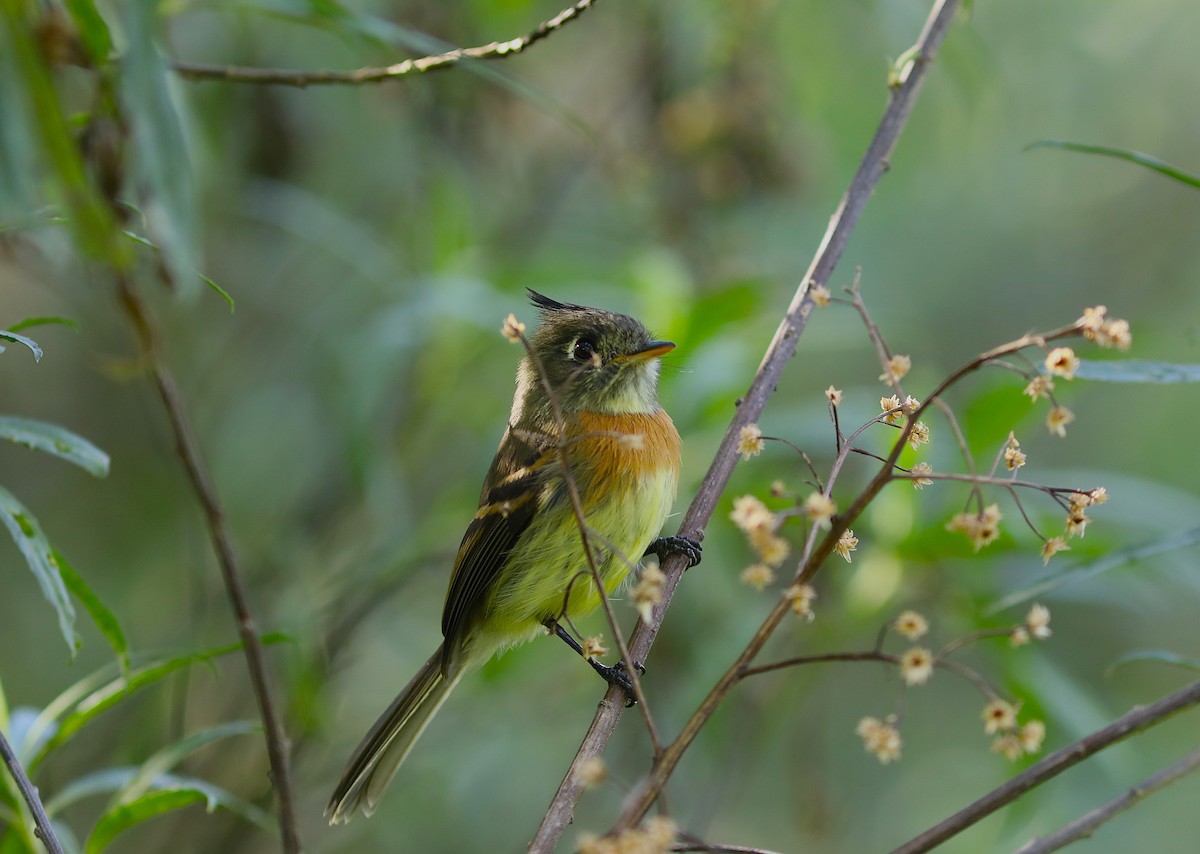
x=158 y=132
x=1161 y=656
x=30 y=322
x=93 y=31
x=36 y=549
x=1113 y=560
x=167 y=758
x=54 y=440
x=21 y=339
x=1146 y=160
x=97 y=693
x=220 y=291
x=106 y=621
x=1138 y=371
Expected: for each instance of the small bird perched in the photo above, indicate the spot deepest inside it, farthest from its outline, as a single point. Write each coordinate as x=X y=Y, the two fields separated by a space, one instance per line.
x=522 y=566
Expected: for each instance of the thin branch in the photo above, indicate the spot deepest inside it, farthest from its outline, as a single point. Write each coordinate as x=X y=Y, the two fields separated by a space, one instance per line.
x=1084 y=826
x=689 y=844
x=188 y=449
x=1142 y=717
x=378 y=74
x=779 y=353
x=29 y=792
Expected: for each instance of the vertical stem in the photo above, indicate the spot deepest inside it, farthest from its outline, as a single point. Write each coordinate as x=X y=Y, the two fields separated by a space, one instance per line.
x=188 y=449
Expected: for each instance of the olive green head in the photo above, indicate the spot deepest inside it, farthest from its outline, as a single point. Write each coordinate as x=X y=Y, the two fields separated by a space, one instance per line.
x=596 y=360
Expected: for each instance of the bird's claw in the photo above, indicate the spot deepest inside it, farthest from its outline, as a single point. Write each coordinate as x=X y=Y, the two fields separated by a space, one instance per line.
x=618 y=674
x=665 y=546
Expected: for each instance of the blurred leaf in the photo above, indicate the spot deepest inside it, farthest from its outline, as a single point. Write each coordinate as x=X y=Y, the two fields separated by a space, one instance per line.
x=1137 y=157
x=162 y=156
x=90 y=218
x=93 y=31
x=1160 y=655
x=1113 y=560
x=106 y=621
x=55 y=440
x=1138 y=371
x=100 y=691
x=30 y=322
x=145 y=241
x=39 y=554
x=21 y=339
x=155 y=803
x=167 y=758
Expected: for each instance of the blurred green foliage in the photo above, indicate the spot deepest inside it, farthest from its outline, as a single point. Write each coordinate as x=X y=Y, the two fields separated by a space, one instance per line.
x=675 y=160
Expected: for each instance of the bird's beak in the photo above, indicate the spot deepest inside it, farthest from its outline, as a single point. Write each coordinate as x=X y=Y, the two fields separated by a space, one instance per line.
x=651 y=351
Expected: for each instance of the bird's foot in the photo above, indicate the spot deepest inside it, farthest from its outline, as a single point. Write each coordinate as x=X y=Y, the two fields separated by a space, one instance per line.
x=618 y=674
x=663 y=547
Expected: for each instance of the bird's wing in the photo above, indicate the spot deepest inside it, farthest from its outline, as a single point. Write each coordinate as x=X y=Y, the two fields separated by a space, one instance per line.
x=506 y=508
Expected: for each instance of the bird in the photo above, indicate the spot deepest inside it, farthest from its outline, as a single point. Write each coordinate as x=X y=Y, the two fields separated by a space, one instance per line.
x=586 y=389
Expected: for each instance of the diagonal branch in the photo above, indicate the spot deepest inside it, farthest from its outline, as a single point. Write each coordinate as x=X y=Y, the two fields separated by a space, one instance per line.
x=1142 y=717
x=1086 y=825
x=29 y=792
x=780 y=351
x=379 y=74
x=188 y=450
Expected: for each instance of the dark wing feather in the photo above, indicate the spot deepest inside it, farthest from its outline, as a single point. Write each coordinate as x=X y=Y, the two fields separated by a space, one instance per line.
x=505 y=512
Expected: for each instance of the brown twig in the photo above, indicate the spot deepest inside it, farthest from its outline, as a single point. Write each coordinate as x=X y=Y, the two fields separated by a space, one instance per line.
x=1087 y=824
x=779 y=353
x=1142 y=717
x=378 y=74
x=188 y=449
x=41 y=822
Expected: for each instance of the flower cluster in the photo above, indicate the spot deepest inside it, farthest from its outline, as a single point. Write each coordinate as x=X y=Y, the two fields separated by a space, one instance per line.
x=1096 y=327
x=760 y=525
x=1012 y=739
x=982 y=528
x=648 y=591
x=880 y=738
x=750 y=441
x=656 y=836
x=512 y=329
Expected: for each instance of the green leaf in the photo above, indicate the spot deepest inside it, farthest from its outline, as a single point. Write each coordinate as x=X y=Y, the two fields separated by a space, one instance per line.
x=1160 y=655
x=93 y=32
x=90 y=217
x=1138 y=371
x=1113 y=560
x=97 y=693
x=30 y=322
x=221 y=292
x=21 y=339
x=1146 y=160
x=106 y=621
x=57 y=441
x=162 y=156
x=167 y=758
x=115 y=822
x=38 y=553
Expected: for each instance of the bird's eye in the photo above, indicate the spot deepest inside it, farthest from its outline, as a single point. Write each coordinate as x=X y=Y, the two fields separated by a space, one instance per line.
x=584 y=350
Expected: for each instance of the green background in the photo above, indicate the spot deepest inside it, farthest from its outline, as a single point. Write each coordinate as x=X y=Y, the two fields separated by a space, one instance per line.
x=678 y=161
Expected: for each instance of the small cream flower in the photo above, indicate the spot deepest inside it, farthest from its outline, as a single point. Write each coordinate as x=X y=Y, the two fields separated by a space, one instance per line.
x=1077 y=522
x=1079 y=501
x=1019 y=636
x=999 y=716
x=1014 y=458
x=846 y=543
x=1062 y=362
x=896 y=369
x=912 y=625
x=834 y=395
x=1039 y=387
x=1099 y=495
x=921 y=469
x=891 y=406
x=770 y=548
x=918 y=435
x=648 y=591
x=800 y=597
x=512 y=329
x=820 y=295
x=1053 y=546
x=757 y=575
x=981 y=529
x=778 y=488
x=1038 y=621
x=819 y=509
x=593 y=647
x=1058 y=419
x=1092 y=320
x=880 y=739
x=591 y=772
x=1119 y=334
x=750 y=514
x=1032 y=735
x=1009 y=746
x=916 y=666
x=911 y=404
x=750 y=441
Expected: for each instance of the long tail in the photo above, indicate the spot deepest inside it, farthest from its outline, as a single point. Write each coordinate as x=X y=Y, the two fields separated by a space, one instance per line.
x=381 y=751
